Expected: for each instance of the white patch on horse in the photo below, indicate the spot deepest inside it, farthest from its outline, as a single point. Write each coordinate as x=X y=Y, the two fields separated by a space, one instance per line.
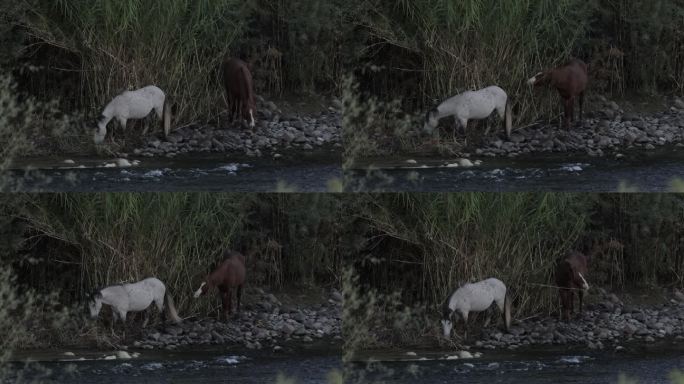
x=198 y=292
x=585 y=285
x=533 y=80
x=131 y=105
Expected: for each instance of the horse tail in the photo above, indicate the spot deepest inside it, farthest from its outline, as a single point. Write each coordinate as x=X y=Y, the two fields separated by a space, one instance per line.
x=507 y=312
x=509 y=118
x=166 y=114
x=172 y=308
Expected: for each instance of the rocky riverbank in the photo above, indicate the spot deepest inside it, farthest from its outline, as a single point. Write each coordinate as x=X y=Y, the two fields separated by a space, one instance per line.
x=607 y=324
x=605 y=132
x=274 y=131
x=266 y=324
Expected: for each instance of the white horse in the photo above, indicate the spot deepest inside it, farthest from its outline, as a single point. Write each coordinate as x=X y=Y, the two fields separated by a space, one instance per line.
x=472 y=105
x=476 y=297
x=135 y=297
x=134 y=105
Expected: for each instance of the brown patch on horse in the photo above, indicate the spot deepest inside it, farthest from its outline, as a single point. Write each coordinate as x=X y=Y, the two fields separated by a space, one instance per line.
x=571 y=81
x=237 y=80
x=228 y=275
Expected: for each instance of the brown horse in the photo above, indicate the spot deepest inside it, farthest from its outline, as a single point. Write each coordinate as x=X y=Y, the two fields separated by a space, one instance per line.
x=570 y=80
x=229 y=274
x=237 y=79
x=571 y=272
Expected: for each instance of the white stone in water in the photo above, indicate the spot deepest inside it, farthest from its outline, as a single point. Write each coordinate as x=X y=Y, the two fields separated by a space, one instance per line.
x=454 y=165
x=468 y=365
x=69 y=354
x=112 y=357
x=411 y=354
x=110 y=165
x=135 y=355
x=465 y=355
x=68 y=161
x=123 y=163
x=465 y=163
x=411 y=161
x=452 y=357
x=123 y=355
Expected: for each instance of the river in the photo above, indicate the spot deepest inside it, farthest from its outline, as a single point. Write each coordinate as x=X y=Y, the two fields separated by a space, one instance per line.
x=301 y=172
x=304 y=365
x=652 y=171
x=547 y=366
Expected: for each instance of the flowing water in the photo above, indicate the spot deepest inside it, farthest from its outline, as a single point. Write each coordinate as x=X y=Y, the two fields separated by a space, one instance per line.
x=535 y=367
x=646 y=172
x=305 y=365
x=310 y=172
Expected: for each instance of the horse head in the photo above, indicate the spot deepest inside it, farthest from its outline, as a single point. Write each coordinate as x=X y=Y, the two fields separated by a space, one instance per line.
x=95 y=304
x=447 y=314
x=100 y=132
x=580 y=270
x=202 y=290
x=249 y=111
x=431 y=120
x=539 y=79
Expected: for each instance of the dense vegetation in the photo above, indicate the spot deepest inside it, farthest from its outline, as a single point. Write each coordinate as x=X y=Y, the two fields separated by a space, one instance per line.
x=83 y=52
x=74 y=243
x=420 y=52
x=86 y=51
x=417 y=247
x=420 y=247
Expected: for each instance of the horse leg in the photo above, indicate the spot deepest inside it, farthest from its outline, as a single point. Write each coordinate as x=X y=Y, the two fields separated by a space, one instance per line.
x=488 y=319
x=568 y=112
x=464 y=124
x=571 y=296
x=113 y=321
x=465 y=326
x=581 y=105
x=226 y=304
x=122 y=315
x=565 y=305
x=239 y=294
x=147 y=318
x=160 y=306
x=581 y=297
x=230 y=302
